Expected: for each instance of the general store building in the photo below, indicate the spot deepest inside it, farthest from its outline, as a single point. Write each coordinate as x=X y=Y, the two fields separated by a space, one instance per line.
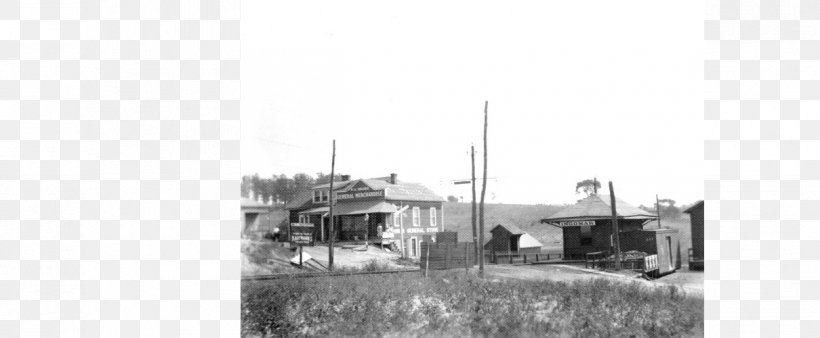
x=380 y=210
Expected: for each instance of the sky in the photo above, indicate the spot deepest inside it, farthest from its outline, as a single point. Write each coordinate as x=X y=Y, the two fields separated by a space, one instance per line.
x=576 y=89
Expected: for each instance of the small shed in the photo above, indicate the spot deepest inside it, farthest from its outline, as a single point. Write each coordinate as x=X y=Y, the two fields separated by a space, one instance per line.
x=696 y=222
x=510 y=238
x=662 y=242
x=251 y=212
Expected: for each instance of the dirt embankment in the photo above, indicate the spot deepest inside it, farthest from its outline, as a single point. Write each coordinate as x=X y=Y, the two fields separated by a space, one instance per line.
x=262 y=257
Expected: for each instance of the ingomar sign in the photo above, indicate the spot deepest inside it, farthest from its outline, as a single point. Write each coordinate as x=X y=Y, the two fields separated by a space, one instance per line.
x=576 y=223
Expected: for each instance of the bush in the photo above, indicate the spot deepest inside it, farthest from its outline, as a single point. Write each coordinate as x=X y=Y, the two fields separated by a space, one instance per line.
x=456 y=304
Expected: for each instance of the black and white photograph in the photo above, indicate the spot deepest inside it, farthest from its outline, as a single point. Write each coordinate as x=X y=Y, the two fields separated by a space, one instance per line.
x=378 y=168
x=471 y=169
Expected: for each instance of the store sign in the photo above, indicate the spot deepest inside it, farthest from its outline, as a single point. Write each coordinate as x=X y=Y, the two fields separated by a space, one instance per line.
x=576 y=223
x=420 y=230
x=301 y=233
x=354 y=195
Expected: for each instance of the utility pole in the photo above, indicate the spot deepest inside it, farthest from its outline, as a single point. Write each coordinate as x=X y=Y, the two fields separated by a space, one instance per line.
x=658 y=209
x=615 y=227
x=475 y=237
x=481 y=207
x=330 y=209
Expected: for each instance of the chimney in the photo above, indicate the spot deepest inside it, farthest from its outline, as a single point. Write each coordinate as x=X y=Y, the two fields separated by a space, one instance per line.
x=393 y=178
x=345 y=177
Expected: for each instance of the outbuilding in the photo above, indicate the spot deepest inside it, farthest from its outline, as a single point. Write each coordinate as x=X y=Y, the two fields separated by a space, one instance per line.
x=662 y=242
x=587 y=225
x=253 y=213
x=696 y=222
x=510 y=239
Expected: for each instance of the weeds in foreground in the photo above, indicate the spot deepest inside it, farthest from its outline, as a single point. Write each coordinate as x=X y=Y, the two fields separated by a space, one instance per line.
x=452 y=304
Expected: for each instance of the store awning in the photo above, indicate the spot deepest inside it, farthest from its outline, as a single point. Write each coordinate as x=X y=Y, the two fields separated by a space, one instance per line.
x=366 y=207
x=319 y=210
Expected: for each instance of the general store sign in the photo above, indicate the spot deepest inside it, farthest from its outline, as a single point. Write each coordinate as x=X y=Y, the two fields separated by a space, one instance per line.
x=420 y=230
x=354 y=195
x=576 y=223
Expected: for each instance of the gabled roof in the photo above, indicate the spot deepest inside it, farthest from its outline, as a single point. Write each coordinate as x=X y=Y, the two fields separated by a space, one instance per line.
x=527 y=241
x=404 y=191
x=302 y=200
x=598 y=207
x=401 y=191
x=511 y=228
x=337 y=185
x=698 y=204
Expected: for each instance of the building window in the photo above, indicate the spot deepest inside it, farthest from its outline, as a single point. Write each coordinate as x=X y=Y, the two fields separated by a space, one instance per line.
x=320 y=196
x=396 y=219
x=303 y=219
x=416 y=216
x=432 y=217
x=586 y=235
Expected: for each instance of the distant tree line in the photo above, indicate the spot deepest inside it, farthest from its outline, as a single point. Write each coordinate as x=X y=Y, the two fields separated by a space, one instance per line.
x=280 y=189
x=668 y=209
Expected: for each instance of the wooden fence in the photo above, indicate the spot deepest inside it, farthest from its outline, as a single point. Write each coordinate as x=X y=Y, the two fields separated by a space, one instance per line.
x=514 y=258
x=443 y=256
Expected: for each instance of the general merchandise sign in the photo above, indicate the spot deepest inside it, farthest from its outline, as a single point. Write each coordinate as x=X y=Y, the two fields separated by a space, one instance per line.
x=354 y=195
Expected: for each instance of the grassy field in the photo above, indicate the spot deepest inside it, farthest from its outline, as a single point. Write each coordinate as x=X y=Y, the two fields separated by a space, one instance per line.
x=454 y=304
x=527 y=217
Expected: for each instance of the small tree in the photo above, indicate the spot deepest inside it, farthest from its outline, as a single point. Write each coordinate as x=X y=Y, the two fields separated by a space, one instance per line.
x=452 y=198
x=588 y=187
x=246 y=187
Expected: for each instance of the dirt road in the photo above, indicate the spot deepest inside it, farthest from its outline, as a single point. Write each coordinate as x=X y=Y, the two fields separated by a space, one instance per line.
x=690 y=282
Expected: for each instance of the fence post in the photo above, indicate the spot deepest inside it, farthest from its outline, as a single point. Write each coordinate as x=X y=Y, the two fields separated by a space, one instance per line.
x=446 y=256
x=466 y=259
x=525 y=258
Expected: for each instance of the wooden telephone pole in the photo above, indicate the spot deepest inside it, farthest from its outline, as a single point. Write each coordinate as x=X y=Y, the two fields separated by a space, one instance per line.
x=481 y=207
x=475 y=235
x=615 y=232
x=330 y=210
x=658 y=209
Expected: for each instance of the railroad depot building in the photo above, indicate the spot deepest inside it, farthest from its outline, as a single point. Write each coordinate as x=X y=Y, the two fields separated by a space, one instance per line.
x=587 y=225
x=379 y=210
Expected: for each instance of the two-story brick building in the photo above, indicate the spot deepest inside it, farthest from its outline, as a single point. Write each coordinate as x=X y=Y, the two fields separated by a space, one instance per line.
x=381 y=209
